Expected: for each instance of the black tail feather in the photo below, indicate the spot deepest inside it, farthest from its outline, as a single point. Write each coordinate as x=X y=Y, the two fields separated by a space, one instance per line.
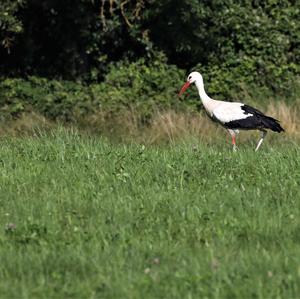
x=256 y=120
x=271 y=123
x=267 y=121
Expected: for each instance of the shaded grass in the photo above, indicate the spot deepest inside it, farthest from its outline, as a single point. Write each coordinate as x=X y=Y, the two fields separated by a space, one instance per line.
x=85 y=218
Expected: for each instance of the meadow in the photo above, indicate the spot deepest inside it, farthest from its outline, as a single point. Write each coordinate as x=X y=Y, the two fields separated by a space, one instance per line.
x=112 y=186
x=85 y=217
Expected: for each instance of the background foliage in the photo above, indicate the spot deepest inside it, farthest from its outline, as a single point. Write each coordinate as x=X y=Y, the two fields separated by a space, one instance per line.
x=237 y=45
x=138 y=86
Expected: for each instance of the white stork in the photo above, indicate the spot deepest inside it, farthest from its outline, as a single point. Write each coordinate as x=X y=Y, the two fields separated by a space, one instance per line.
x=232 y=115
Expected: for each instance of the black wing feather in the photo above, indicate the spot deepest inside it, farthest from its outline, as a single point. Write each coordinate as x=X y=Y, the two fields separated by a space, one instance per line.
x=257 y=120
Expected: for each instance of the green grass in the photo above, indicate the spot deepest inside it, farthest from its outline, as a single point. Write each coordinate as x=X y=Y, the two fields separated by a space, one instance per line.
x=85 y=218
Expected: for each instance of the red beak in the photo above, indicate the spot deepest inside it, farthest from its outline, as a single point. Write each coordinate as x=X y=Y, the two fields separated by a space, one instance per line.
x=184 y=87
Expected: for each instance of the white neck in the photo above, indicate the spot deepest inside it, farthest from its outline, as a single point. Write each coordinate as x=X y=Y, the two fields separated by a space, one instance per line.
x=208 y=102
x=203 y=95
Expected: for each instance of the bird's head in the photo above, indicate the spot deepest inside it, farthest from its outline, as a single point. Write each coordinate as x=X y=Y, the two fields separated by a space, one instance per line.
x=192 y=78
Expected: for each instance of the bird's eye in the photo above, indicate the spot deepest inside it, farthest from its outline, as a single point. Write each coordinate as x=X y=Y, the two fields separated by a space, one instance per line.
x=190 y=77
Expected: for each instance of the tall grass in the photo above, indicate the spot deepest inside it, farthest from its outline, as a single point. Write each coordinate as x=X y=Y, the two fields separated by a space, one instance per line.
x=165 y=126
x=84 y=218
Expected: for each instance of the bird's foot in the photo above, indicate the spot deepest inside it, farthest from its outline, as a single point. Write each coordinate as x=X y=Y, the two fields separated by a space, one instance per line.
x=235 y=148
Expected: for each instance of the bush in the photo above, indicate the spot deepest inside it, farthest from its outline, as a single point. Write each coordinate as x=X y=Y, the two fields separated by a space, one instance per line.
x=138 y=86
x=142 y=87
x=54 y=99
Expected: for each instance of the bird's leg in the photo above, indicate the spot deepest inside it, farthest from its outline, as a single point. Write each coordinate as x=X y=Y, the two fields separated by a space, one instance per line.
x=233 y=138
x=263 y=135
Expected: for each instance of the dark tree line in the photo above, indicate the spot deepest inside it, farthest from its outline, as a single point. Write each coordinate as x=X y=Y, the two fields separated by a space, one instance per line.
x=78 y=39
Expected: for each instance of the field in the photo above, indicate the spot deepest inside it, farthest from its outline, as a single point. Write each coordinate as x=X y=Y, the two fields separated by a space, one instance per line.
x=83 y=217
